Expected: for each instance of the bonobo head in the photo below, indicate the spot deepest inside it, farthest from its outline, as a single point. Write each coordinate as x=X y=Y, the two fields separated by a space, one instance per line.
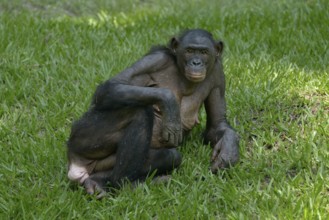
x=196 y=52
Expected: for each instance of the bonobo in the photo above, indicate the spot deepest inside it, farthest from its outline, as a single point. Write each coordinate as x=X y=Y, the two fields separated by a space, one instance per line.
x=138 y=118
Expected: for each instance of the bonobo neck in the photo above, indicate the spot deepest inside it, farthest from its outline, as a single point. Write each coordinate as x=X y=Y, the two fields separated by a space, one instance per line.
x=188 y=87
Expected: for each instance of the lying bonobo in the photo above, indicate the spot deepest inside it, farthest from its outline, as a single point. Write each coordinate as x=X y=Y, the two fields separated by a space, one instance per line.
x=139 y=117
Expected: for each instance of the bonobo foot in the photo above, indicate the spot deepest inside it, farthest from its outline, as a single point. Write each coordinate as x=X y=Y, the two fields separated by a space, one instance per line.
x=92 y=187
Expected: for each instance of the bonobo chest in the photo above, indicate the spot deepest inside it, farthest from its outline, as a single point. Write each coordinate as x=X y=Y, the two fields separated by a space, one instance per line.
x=190 y=96
x=189 y=110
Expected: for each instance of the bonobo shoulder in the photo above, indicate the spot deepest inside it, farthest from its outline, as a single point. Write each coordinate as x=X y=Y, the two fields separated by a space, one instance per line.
x=152 y=62
x=160 y=49
x=161 y=56
x=137 y=73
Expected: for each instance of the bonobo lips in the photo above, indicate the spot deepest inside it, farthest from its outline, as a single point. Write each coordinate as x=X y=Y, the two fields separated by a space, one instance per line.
x=196 y=76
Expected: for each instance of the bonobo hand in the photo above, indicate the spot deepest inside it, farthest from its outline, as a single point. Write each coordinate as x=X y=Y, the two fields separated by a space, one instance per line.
x=225 y=152
x=172 y=126
x=172 y=132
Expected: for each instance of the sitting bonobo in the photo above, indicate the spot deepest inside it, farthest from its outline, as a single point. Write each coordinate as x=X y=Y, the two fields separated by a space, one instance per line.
x=138 y=118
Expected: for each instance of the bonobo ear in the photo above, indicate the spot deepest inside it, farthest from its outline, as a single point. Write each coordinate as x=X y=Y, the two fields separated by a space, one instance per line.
x=219 y=47
x=174 y=44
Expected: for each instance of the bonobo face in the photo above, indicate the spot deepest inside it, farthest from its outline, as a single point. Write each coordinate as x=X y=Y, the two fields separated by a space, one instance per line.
x=196 y=54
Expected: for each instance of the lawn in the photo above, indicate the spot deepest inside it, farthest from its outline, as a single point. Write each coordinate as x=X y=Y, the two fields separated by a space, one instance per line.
x=53 y=54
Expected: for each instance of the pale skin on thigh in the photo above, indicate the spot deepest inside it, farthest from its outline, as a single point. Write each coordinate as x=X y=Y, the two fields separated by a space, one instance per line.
x=80 y=169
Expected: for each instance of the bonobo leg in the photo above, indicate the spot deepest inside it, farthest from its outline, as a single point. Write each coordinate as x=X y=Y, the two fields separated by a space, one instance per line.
x=133 y=148
x=95 y=163
x=132 y=152
x=161 y=161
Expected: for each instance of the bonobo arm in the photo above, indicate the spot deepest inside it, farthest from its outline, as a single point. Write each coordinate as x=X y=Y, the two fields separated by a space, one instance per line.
x=138 y=73
x=219 y=133
x=129 y=89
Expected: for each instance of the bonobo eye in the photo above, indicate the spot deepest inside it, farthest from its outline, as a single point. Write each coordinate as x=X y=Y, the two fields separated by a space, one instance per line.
x=204 y=51
x=189 y=50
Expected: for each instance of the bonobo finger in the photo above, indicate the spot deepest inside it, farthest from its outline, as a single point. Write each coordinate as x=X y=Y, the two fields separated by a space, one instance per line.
x=173 y=139
x=165 y=136
x=176 y=139
x=180 y=140
x=170 y=137
x=179 y=137
x=217 y=164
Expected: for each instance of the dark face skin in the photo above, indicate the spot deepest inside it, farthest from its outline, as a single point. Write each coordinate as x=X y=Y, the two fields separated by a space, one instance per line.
x=196 y=55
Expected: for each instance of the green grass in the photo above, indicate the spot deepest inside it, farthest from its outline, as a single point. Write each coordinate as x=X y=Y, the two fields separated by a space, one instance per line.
x=54 y=53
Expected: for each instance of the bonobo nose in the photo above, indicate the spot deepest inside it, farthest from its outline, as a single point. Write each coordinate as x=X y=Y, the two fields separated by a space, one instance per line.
x=196 y=63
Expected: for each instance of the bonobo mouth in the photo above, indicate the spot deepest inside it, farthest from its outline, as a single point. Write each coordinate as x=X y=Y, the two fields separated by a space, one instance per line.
x=195 y=76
